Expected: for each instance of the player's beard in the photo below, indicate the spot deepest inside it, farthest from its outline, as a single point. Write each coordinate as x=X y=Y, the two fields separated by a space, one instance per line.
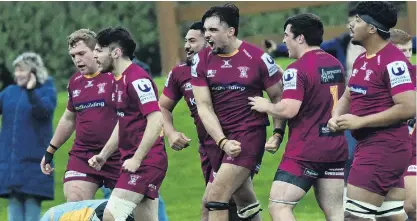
x=189 y=61
x=107 y=66
x=356 y=42
x=218 y=50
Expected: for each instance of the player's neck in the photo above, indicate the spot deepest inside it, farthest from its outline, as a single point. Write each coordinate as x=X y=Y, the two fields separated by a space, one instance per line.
x=374 y=45
x=120 y=66
x=94 y=71
x=233 y=46
x=308 y=49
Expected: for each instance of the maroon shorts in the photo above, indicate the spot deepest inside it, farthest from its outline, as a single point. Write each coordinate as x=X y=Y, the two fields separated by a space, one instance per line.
x=313 y=170
x=146 y=180
x=79 y=169
x=252 y=142
x=412 y=168
x=379 y=166
x=205 y=164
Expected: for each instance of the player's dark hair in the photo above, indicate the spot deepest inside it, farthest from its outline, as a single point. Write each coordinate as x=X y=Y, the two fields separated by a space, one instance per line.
x=117 y=37
x=227 y=13
x=198 y=26
x=351 y=8
x=382 y=12
x=308 y=25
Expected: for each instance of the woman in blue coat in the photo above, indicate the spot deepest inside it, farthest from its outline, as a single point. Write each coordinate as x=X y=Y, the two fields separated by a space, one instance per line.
x=27 y=112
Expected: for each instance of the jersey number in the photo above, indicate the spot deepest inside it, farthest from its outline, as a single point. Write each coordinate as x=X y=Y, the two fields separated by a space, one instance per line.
x=335 y=94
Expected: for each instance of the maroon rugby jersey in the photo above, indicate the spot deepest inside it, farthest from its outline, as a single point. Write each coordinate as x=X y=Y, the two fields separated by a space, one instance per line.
x=233 y=78
x=317 y=79
x=90 y=97
x=373 y=83
x=136 y=96
x=177 y=86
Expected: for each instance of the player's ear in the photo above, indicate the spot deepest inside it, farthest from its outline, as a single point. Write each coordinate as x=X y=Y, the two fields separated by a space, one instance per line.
x=300 y=39
x=372 y=29
x=231 y=32
x=116 y=53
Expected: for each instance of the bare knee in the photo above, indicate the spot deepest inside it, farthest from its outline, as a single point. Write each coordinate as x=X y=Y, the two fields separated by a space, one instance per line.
x=217 y=194
x=75 y=191
x=75 y=194
x=279 y=208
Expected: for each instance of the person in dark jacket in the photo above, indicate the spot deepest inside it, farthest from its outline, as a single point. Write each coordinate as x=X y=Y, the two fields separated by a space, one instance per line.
x=27 y=112
x=143 y=65
x=6 y=77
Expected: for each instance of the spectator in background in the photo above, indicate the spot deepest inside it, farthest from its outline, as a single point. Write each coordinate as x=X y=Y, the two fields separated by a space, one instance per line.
x=143 y=65
x=27 y=110
x=6 y=77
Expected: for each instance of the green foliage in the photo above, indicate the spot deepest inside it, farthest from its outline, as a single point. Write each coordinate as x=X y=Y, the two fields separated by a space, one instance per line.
x=43 y=27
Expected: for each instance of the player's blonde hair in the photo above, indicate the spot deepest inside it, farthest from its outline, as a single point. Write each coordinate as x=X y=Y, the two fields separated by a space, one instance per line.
x=399 y=37
x=32 y=62
x=86 y=35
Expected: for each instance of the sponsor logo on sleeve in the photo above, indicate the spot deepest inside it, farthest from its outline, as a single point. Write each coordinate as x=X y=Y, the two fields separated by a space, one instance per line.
x=270 y=64
x=195 y=61
x=398 y=73
x=290 y=79
x=145 y=90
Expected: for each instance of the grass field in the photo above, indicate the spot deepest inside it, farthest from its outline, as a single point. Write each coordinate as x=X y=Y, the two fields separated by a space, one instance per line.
x=183 y=186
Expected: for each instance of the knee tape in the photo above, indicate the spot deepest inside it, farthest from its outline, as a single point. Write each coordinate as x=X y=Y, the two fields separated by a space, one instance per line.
x=283 y=202
x=390 y=208
x=217 y=206
x=120 y=209
x=361 y=209
x=250 y=211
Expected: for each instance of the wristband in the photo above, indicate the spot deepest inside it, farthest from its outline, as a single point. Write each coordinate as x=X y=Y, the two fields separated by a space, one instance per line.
x=224 y=143
x=54 y=147
x=279 y=131
x=221 y=140
x=48 y=157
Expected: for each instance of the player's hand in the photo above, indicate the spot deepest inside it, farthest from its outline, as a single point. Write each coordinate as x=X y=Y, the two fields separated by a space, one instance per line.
x=349 y=122
x=178 y=141
x=96 y=162
x=232 y=148
x=131 y=165
x=280 y=70
x=270 y=46
x=46 y=166
x=259 y=104
x=332 y=124
x=32 y=82
x=273 y=144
